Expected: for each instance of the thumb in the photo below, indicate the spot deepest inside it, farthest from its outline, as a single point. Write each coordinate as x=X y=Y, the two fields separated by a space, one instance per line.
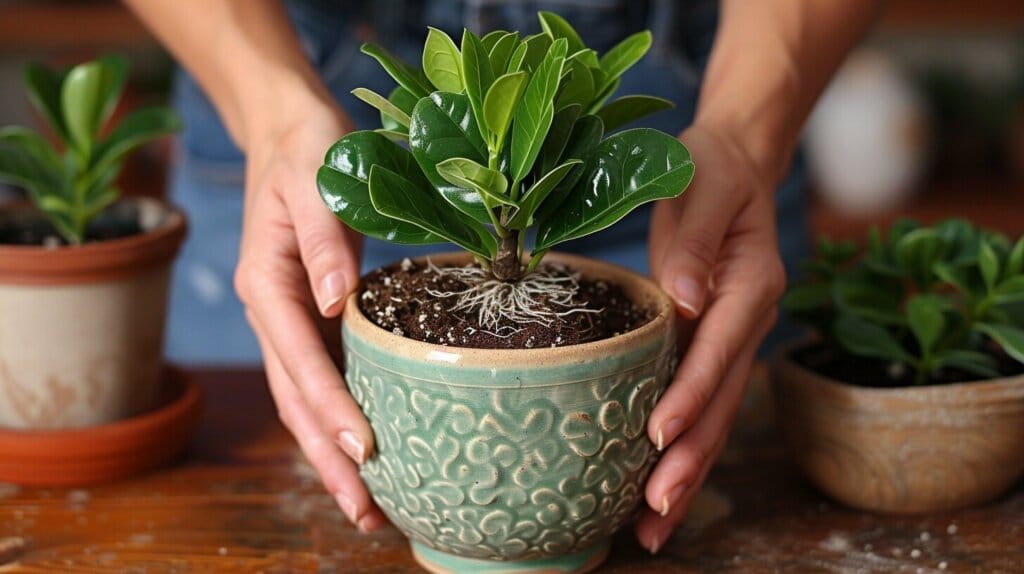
x=329 y=251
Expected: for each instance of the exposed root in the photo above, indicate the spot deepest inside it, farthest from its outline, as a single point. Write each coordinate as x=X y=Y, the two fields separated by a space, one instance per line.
x=534 y=298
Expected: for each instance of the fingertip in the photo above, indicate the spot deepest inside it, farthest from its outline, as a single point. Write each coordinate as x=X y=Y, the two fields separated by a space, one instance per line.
x=688 y=296
x=373 y=520
x=334 y=288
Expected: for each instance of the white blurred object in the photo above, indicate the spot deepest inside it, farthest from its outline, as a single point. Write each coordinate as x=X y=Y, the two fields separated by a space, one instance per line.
x=867 y=140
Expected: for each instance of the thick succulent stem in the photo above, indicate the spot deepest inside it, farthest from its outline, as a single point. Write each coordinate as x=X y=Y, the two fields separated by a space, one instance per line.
x=506 y=265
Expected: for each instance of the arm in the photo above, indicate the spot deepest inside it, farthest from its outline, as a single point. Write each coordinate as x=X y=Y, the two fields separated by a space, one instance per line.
x=295 y=256
x=715 y=248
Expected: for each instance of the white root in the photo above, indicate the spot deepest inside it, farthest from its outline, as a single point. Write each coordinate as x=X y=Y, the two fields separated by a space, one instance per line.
x=531 y=299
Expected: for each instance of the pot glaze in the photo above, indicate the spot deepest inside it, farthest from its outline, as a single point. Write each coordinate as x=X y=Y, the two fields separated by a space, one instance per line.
x=81 y=334
x=523 y=460
x=902 y=450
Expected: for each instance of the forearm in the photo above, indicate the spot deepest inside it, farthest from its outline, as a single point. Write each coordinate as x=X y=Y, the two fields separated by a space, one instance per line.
x=770 y=62
x=244 y=54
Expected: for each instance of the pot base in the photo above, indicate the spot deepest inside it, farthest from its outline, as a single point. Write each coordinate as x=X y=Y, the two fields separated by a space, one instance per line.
x=439 y=562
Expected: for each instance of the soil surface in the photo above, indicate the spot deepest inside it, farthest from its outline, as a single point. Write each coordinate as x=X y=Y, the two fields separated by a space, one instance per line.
x=397 y=299
x=42 y=233
x=865 y=372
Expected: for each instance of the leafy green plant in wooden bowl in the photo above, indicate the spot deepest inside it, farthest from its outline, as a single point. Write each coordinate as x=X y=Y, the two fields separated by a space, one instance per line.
x=83 y=274
x=911 y=398
x=528 y=374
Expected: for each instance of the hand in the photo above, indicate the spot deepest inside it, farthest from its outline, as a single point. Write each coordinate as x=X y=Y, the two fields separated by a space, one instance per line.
x=714 y=250
x=297 y=259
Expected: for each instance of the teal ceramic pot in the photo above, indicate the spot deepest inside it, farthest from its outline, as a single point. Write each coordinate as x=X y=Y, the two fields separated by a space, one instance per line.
x=512 y=460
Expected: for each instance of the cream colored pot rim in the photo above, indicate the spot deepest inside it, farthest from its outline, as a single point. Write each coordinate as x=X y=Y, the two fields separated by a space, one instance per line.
x=783 y=361
x=639 y=288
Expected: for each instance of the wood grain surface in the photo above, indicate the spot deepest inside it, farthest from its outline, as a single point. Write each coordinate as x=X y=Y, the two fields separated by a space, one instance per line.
x=243 y=500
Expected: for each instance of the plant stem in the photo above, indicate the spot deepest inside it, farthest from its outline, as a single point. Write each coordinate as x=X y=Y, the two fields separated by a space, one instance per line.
x=506 y=263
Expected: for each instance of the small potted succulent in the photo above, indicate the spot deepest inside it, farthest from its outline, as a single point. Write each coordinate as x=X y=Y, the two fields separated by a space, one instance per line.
x=508 y=392
x=83 y=276
x=911 y=396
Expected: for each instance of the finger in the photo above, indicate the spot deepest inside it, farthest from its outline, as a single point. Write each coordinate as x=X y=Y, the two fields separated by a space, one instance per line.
x=680 y=472
x=328 y=249
x=749 y=290
x=339 y=474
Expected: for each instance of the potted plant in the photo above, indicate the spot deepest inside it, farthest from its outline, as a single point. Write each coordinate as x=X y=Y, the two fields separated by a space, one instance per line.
x=911 y=396
x=508 y=393
x=83 y=275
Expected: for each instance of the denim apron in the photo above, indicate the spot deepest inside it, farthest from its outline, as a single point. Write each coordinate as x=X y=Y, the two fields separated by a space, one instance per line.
x=207 y=324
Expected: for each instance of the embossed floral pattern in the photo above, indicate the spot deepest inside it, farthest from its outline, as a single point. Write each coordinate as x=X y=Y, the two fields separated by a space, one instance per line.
x=508 y=473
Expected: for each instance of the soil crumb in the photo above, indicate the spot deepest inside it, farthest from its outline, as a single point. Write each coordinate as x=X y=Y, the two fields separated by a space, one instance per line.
x=396 y=299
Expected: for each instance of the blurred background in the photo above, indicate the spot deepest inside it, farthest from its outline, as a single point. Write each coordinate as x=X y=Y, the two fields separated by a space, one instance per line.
x=925 y=120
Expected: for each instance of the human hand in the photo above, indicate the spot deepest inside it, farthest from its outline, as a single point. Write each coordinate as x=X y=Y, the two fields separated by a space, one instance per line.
x=714 y=250
x=297 y=266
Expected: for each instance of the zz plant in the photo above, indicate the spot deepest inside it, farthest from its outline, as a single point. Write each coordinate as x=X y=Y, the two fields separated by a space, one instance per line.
x=504 y=133
x=75 y=181
x=930 y=299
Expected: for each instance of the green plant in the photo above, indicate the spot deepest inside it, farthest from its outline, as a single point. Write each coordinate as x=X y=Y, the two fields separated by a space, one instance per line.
x=73 y=185
x=504 y=134
x=930 y=298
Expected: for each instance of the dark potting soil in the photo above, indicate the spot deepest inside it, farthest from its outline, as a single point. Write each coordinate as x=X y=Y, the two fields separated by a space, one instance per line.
x=865 y=372
x=41 y=232
x=397 y=299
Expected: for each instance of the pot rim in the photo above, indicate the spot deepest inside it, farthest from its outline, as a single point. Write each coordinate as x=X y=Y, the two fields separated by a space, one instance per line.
x=96 y=261
x=639 y=288
x=782 y=362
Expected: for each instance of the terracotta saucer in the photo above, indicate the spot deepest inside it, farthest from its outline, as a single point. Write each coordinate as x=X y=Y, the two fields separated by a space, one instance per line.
x=105 y=452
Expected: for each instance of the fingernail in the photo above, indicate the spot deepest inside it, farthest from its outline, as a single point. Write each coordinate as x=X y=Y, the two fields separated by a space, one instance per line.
x=333 y=288
x=364 y=525
x=688 y=295
x=655 y=545
x=668 y=432
x=353 y=446
x=669 y=500
x=348 y=507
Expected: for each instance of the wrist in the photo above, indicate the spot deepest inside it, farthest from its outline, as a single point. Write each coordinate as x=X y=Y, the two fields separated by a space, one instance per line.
x=275 y=106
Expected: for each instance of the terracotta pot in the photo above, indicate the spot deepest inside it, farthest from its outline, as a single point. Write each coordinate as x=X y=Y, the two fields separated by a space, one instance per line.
x=902 y=450
x=81 y=334
x=523 y=460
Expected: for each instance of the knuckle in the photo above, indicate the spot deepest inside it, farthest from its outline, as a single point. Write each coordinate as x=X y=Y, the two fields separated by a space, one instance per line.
x=318 y=244
x=243 y=282
x=775 y=280
x=701 y=245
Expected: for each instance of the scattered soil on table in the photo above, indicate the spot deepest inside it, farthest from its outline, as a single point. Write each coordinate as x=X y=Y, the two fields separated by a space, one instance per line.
x=866 y=372
x=397 y=299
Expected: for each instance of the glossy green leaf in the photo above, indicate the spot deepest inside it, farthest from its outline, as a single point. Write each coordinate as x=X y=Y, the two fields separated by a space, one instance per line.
x=404 y=101
x=988 y=263
x=926 y=320
x=866 y=339
x=917 y=252
x=628 y=169
x=116 y=69
x=43 y=85
x=557 y=28
x=536 y=195
x=964 y=279
x=344 y=181
x=23 y=165
x=603 y=96
x=442 y=62
x=1009 y=291
x=1015 y=261
x=468 y=174
x=624 y=56
x=491 y=38
x=1010 y=338
x=383 y=104
x=500 y=104
x=557 y=140
x=582 y=145
x=534 y=116
x=35 y=145
x=137 y=128
x=396 y=136
x=477 y=69
x=530 y=53
x=974 y=362
x=869 y=300
x=500 y=54
x=578 y=89
x=807 y=297
x=411 y=78
x=443 y=127
x=84 y=96
x=631 y=108
x=412 y=201
x=587 y=57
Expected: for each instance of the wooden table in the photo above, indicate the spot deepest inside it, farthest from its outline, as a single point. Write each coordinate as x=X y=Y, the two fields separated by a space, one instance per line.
x=243 y=500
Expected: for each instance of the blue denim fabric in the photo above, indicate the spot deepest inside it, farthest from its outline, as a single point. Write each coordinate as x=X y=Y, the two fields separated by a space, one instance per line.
x=207 y=323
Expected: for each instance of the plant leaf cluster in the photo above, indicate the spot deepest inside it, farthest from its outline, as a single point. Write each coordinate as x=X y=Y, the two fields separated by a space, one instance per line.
x=73 y=182
x=949 y=296
x=499 y=134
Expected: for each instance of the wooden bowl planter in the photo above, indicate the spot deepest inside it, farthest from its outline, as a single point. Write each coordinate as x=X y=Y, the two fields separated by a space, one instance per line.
x=902 y=450
x=511 y=460
x=81 y=334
